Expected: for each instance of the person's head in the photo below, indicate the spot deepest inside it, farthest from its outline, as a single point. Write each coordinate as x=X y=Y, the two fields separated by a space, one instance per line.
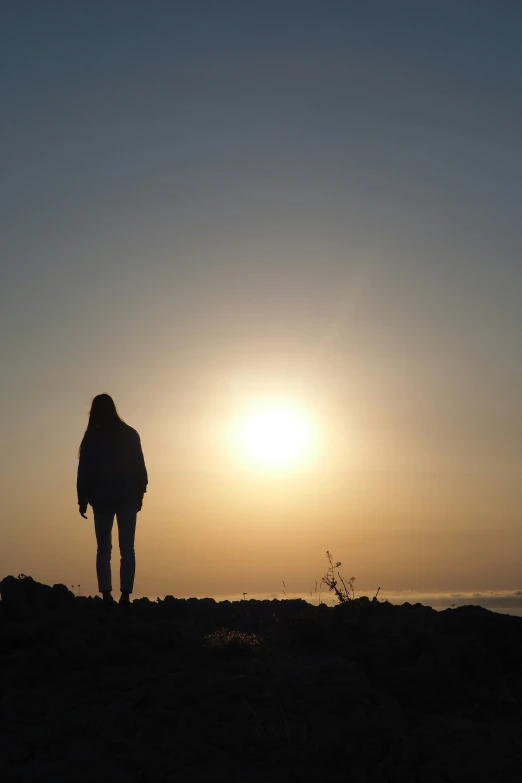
x=103 y=414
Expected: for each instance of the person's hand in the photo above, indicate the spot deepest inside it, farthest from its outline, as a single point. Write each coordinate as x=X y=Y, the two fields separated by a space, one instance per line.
x=83 y=511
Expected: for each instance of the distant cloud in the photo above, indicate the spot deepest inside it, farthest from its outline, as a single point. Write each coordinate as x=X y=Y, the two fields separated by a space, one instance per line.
x=497 y=601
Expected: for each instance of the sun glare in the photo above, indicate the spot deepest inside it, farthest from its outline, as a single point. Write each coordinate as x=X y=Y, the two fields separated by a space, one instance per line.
x=276 y=436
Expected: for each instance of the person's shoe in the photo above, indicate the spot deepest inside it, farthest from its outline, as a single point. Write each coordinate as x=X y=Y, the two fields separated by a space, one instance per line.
x=108 y=600
x=124 y=599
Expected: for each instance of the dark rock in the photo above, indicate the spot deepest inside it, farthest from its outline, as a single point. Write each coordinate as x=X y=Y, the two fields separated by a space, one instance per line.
x=23 y=598
x=255 y=690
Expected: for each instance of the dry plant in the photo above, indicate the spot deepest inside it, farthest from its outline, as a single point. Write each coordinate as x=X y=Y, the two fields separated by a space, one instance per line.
x=231 y=641
x=316 y=596
x=345 y=592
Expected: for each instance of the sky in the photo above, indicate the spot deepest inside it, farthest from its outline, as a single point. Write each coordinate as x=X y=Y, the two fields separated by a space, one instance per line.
x=206 y=206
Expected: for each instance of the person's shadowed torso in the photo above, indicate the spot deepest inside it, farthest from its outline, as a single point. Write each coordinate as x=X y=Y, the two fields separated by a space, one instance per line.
x=111 y=470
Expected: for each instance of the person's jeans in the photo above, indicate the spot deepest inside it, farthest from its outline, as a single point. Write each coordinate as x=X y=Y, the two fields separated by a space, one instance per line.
x=103 y=522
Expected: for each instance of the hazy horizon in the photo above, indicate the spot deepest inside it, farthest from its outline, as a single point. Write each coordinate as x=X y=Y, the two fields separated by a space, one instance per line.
x=501 y=602
x=207 y=206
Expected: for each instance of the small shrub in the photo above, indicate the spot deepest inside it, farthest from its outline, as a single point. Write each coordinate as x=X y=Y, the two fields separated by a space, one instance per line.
x=344 y=592
x=231 y=642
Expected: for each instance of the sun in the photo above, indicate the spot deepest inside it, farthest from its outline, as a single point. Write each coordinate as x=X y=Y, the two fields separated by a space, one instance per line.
x=276 y=435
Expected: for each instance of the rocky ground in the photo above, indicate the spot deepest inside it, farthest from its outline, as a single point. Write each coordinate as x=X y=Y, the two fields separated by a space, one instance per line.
x=179 y=690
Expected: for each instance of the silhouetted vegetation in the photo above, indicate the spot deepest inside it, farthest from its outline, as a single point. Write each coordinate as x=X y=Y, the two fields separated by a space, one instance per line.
x=344 y=592
x=230 y=642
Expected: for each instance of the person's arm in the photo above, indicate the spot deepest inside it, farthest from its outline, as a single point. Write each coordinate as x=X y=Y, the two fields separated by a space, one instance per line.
x=141 y=472
x=82 y=480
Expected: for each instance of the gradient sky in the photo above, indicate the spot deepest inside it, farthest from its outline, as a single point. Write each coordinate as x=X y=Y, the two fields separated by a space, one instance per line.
x=207 y=203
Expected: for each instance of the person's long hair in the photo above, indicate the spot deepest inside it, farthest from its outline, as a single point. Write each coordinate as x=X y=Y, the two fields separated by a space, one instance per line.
x=104 y=419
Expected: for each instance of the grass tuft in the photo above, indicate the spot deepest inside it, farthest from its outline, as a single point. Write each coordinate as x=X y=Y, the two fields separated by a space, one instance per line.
x=231 y=642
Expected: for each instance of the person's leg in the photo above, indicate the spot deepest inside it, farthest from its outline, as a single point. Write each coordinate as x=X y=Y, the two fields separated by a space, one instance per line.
x=103 y=521
x=126 y=531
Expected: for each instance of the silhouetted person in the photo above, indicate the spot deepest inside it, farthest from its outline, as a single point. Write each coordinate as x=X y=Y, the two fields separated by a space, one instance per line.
x=111 y=477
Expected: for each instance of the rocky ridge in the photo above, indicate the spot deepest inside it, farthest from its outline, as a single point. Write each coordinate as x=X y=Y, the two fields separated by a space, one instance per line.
x=178 y=689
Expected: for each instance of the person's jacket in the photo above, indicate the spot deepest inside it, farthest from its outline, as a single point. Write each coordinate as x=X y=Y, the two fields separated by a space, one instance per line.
x=111 y=469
